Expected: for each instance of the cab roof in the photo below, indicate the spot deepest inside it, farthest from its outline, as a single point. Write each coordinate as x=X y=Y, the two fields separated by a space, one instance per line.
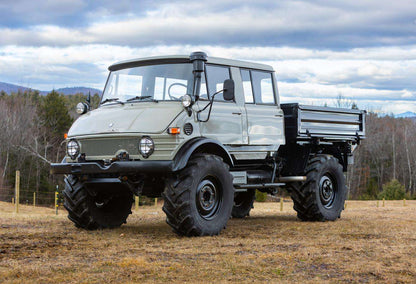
x=185 y=59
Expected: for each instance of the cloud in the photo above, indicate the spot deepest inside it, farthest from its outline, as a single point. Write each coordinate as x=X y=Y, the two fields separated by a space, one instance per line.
x=379 y=81
x=308 y=24
x=364 y=50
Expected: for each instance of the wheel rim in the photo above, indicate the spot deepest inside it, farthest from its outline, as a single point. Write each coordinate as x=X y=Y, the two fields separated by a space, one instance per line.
x=208 y=198
x=327 y=191
x=102 y=201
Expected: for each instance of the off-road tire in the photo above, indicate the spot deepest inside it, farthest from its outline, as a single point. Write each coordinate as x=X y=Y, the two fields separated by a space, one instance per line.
x=313 y=199
x=243 y=203
x=188 y=195
x=85 y=213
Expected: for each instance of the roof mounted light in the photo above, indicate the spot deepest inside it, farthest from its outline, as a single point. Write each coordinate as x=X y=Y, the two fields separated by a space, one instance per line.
x=82 y=108
x=186 y=101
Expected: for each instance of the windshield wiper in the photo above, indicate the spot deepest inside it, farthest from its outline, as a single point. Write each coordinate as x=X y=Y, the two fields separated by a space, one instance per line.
x=112 y=100
x=140 y=98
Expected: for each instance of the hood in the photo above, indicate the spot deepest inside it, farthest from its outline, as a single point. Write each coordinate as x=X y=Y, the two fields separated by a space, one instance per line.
x=132 y=117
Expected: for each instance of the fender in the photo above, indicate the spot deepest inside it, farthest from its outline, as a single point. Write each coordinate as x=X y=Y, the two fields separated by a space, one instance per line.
x=200 y=145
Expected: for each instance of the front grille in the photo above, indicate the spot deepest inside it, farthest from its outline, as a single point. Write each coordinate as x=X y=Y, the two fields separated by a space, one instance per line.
x=164 y=146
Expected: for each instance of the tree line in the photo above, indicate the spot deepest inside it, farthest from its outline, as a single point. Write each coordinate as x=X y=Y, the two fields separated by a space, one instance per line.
x=33 y=126
x=387 y=154
x=31 y=137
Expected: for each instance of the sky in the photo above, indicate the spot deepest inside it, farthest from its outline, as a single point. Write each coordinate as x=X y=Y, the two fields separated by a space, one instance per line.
x=364 y=51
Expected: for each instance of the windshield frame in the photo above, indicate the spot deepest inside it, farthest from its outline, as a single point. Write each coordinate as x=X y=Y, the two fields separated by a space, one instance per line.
x=133 y=65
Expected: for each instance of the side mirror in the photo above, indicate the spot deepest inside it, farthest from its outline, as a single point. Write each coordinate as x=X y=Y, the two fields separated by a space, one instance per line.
x=228 y=93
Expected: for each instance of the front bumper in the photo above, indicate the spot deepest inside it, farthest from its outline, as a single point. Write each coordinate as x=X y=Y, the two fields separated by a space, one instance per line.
x=119 y=167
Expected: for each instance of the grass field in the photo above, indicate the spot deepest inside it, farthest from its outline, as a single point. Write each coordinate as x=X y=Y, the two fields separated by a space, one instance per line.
x=368 y=244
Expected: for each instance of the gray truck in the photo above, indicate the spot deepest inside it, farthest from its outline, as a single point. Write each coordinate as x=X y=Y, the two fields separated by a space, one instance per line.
x=204 y=133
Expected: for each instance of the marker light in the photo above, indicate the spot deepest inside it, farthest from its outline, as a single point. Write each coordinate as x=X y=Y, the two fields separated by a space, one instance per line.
x=174 y=130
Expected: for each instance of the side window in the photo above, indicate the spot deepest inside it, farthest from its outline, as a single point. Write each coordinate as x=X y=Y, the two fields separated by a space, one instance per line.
x=247 y=88
x=263 y=87
x=216 y=75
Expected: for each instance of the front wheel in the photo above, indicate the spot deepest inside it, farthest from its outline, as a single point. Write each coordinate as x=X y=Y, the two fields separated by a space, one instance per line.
x=322 y=196
x=107 y=208
x=199 y=199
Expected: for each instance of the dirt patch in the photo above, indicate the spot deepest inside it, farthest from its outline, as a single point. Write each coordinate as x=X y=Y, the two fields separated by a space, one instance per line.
x=368 y=244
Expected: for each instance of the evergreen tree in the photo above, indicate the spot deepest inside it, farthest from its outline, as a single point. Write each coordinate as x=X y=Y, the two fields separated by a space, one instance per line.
x=54 y=114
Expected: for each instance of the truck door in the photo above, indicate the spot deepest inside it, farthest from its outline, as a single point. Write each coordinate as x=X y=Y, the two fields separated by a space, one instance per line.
x=264 y=116
x=225 y=123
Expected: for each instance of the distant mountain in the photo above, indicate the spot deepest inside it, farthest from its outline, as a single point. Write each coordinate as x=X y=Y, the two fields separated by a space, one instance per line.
x=75 y=90
x=407 y=114
x=11 y=88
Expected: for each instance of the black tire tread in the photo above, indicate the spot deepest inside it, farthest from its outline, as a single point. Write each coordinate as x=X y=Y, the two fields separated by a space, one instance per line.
x=303 y=193
x=244 y=209
x=79 y=211
x=177 y=193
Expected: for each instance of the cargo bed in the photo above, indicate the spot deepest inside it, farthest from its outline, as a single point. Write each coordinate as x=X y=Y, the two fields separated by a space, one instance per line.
x=305 y=122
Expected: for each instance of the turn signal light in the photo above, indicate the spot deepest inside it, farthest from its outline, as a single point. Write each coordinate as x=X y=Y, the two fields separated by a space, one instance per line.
x=174 y=130
x=66 y=135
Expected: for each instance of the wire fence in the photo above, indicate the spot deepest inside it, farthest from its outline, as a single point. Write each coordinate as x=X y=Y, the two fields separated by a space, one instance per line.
x=30 y=197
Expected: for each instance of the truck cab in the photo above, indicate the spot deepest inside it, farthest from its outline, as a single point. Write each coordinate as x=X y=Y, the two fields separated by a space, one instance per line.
x=204 y=133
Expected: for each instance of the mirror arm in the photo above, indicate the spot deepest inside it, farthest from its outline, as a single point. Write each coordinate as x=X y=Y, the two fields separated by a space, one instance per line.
x=210 y=107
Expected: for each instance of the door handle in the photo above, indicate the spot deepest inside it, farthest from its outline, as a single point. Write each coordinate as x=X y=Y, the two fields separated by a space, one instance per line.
x=237 y=113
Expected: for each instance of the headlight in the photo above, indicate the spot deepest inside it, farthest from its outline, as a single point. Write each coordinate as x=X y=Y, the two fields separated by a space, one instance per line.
x=146 y=146
x=186 y=100
x=72 y=148
x=82 y=108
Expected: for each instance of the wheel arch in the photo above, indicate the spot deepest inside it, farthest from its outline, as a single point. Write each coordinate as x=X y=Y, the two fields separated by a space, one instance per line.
x=200 y=145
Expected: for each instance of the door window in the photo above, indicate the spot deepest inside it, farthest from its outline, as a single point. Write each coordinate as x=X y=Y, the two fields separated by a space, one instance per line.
x=263 y=87
x=247 y=88
x=216 y=75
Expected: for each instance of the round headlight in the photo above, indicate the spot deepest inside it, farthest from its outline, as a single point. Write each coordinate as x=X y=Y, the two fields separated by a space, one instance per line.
x=72 y=148
x=82 y=108
x=146 y=146
x=186 y=100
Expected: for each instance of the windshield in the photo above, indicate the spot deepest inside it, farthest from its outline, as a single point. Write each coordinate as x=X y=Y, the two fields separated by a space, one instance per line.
x=165 y=82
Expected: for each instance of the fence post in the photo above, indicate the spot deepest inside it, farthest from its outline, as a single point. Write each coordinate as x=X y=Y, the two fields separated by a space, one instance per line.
x=404 y=201
x=156 y=202
x=281 y=204
x=136 y=201
x=56 y=200
x=383 y=202
x=34 y=199
x=17 y=191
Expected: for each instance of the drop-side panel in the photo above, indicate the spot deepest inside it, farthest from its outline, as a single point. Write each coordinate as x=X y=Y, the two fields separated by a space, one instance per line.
x=302 y=122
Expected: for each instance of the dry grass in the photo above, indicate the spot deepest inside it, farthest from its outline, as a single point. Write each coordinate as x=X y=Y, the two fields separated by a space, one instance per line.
x=368 y=244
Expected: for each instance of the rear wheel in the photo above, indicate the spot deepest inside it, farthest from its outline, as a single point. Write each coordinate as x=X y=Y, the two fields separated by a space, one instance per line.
x=322 y=196
x=199 y=199
x=108 y=208
x=243 y=203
